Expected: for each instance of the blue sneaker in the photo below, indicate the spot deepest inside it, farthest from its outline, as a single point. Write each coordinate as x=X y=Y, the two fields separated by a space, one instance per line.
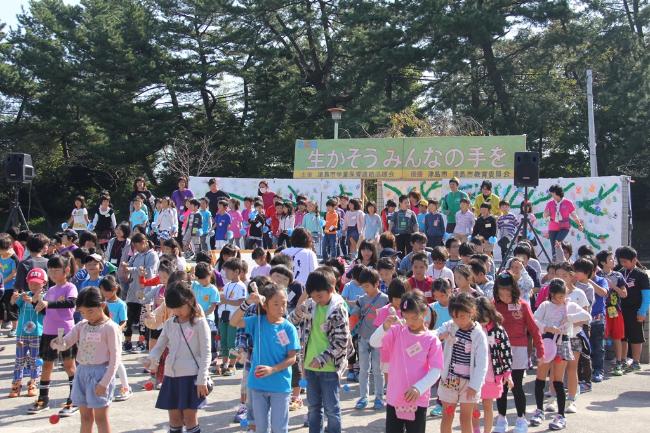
x=436 y=411
x=597 y=377
x=379 y=404
x=361 y=403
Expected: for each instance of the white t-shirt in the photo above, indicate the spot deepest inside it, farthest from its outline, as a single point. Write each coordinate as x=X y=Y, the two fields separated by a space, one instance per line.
x=578 y=296
x=233 y=291
x=304 y=261
x=445 y=272
x=79 y=216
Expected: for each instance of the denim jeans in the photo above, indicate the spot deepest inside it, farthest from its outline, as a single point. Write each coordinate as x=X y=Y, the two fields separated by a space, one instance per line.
x=275 y=404
x=555 y=236
x=318 y=247
x=597 y=341
x=323 y=394
x=369 y=358
x=330 y=248
x=205 y=244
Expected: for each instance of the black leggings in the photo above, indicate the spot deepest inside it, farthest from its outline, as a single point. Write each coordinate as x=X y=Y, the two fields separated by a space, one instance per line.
x=133 y=311
x=396 y=425
x=517 y=392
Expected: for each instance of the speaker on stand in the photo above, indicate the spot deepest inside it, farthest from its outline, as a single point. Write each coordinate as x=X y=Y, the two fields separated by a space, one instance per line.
x=19 y=169
x=526 y=174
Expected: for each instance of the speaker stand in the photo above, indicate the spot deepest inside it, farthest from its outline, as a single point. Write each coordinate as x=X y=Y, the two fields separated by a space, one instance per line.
x=523 y=228
x=16 y=216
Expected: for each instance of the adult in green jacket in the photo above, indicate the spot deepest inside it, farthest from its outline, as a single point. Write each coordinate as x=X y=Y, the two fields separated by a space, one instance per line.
x=451 y=203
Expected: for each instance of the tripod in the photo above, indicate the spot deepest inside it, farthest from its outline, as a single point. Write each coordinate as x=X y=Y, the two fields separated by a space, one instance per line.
x=16 y=216
x=523 y=228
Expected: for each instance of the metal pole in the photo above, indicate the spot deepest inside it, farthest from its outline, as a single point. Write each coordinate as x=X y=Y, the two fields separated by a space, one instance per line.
x=336 y=130
x=593 y=162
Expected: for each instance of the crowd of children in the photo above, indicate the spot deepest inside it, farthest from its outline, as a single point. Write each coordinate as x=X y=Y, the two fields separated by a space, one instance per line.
x=407 y=302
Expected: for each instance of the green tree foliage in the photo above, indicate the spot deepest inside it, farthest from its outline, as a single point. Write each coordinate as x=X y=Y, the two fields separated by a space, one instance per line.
x=101 y=92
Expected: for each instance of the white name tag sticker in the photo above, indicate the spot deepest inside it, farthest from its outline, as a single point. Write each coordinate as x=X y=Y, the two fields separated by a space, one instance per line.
x=514 y=307
x=283 y=338
x=487 y=226
x=414 y=349
x=93 y=337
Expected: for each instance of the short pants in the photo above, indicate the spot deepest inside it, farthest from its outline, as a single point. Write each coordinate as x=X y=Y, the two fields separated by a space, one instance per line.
x=576 y=344
x=633 y=328
x=452 y=394
x=48 y=354
x=615 y=327
x=519 y=357
x=86 y=378
x=492 y=390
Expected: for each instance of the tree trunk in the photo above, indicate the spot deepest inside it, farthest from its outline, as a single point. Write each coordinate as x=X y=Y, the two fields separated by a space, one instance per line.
x=175 y=105
x=637 y=22
x=21 y=110
x=495 y=77
x=65 y=148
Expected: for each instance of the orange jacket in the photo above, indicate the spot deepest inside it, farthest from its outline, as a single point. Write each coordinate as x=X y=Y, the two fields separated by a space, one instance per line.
x=331 y=220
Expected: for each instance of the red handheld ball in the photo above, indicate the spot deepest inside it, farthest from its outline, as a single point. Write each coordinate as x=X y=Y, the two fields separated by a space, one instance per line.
x=141 y=339
x=557 y=359
x=476 y=414
x=54 y=419
x=148 y=386
x=450 y=410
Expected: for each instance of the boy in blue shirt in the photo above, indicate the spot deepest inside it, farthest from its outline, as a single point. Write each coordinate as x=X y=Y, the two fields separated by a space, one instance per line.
x=434 y=225
x=368 y=305
x=221 y=222
x=138 y=217
x=352 y=291
x=29 y=331
x=206 y=219
x=117 y=312
x=208 y=298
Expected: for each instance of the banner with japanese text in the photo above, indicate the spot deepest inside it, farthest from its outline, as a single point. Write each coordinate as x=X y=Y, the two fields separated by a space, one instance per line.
x=408 y=158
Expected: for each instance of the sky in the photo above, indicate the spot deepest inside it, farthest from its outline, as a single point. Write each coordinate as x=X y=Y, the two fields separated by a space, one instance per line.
x=10 y=8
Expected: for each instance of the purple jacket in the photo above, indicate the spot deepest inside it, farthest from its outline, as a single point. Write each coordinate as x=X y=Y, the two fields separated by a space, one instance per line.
x=179 y=197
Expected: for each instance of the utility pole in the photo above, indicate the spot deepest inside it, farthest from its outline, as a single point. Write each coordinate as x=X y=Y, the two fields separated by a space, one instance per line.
x=593 y=160
x=336 y=116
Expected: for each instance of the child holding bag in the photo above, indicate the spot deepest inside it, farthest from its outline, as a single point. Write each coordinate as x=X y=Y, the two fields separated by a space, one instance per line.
x=186 y=383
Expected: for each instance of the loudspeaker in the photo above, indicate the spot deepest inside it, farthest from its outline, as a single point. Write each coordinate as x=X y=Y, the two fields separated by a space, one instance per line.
x=19 y=168
x=526 y=169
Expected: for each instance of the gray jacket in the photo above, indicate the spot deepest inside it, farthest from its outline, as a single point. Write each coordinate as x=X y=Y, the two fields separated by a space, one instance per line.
x=149 y=261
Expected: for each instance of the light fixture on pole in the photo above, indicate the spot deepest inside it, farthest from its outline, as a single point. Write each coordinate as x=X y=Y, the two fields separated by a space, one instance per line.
x=336 y=116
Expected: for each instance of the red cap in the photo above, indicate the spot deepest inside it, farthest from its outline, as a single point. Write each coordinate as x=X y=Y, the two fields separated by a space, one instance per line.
x=37 y=275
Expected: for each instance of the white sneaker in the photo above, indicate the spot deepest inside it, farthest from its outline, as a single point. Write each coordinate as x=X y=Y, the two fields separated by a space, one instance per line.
x=558 y=423
x=537 y=418
x=571 y=407
x=68 y=410
x=124 y=394
x=521 y=425
x=501 y=424
x=551 y=406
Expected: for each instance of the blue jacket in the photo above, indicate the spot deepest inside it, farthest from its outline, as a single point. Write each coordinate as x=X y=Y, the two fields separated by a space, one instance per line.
x=431 y=228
